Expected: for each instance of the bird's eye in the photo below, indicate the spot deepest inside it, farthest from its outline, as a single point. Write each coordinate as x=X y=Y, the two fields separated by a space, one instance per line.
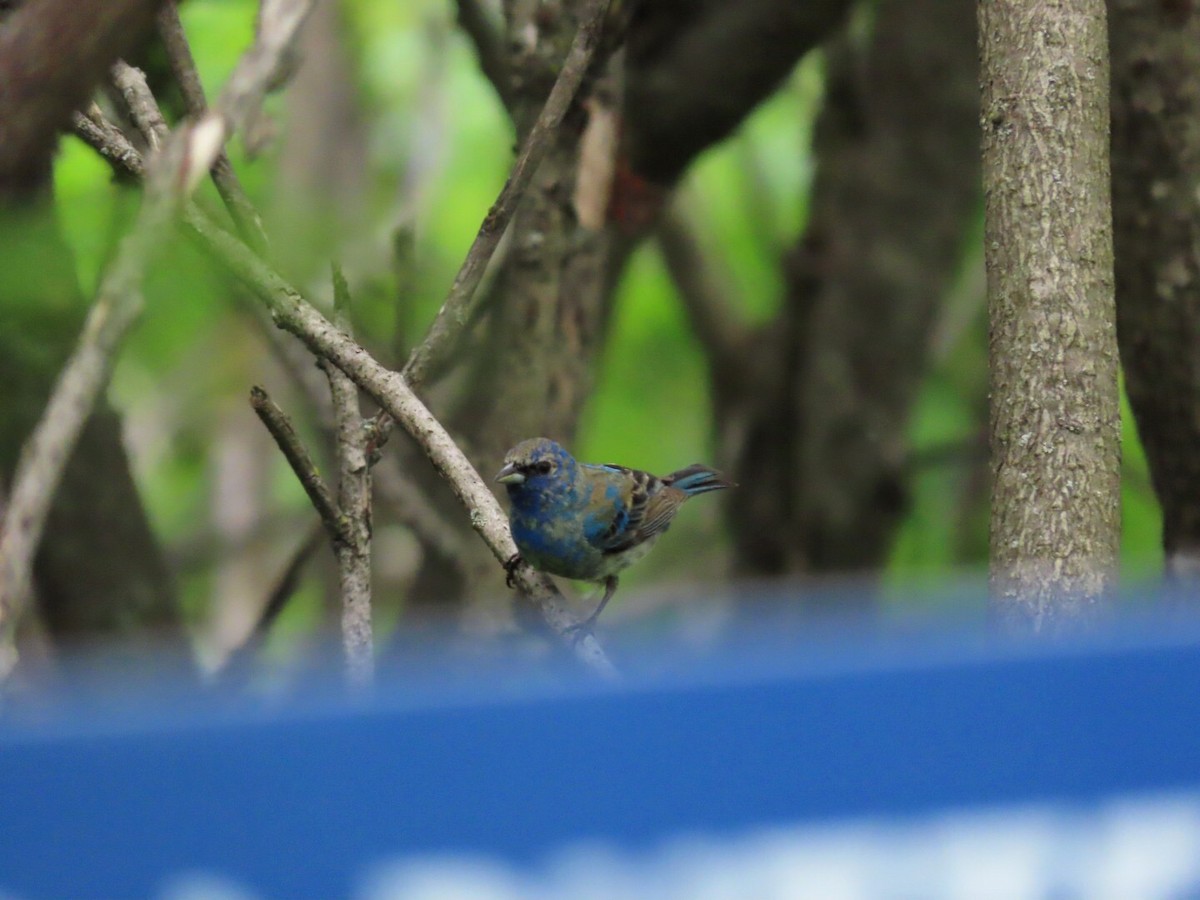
x=545 y=467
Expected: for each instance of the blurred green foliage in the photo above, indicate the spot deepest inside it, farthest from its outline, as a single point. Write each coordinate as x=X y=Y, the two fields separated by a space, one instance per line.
x=439 y=146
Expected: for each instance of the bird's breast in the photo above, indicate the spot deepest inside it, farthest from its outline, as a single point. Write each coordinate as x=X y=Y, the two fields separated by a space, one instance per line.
x=555 y=543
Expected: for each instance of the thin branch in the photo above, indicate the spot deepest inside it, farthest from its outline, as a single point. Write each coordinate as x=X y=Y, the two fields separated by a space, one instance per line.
x=292 y=312
x=183 y=67
x=388 y=388
x=489 y=48
x=139 y=100
x=169 y=181
x=354 y=500
x=430 y=353
x=414 y=510
x=298 y=457
x=277 y=601
x=107 y=140
x=408 y=501
x=704 y=294
x=45 y=453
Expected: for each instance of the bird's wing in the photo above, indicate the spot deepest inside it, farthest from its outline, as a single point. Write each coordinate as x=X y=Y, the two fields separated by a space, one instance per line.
x=642 y=506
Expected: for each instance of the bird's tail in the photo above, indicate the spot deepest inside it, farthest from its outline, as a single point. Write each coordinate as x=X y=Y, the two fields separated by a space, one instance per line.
x=698 y=479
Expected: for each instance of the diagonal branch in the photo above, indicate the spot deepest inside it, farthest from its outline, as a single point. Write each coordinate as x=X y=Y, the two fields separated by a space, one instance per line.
x=389 y=389
x=431 y=352
x=170 y=178
x=183 y=67
x=237 y=662
x=301 y=461
x=135 y=92
x=44 y=455
x=407 y=500
x=292 y=312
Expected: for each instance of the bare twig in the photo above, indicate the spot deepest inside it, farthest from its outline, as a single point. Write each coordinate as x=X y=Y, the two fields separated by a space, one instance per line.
x=170 y=179
x=453 y=315
x=413 y=509
x=45 y=454
x=279 y=26
x=278 y=599
x=295 y=314
x=290 y=311
x=354 y=501
x=298 y=457
x=400 y=492
x=484 y=34
x=107 y=140
x=143 y=109
x=183 y=67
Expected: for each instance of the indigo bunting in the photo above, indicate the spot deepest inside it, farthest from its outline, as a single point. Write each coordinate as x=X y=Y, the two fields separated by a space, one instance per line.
x=589 y=522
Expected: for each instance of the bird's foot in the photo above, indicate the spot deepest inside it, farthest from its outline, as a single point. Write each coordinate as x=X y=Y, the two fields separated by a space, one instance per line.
x=581 y=629
x=510 y=569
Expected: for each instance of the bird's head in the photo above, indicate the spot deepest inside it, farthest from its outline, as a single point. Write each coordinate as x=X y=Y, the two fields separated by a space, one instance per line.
x=535 y=463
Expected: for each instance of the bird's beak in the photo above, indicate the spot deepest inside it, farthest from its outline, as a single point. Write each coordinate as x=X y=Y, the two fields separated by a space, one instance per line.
x=509 y=475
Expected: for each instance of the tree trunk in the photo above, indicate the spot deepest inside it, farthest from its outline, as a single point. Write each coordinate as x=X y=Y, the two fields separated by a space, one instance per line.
x=529 y=369
x=1055 y=421
x=822 y=468
x=1156 y=217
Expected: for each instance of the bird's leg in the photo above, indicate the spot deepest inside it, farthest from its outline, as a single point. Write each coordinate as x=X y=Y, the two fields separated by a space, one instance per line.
x=584 y=627
x=510 y=569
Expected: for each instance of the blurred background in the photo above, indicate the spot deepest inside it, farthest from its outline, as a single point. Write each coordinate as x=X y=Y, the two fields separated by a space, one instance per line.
x=808 y=315
x=755 y=241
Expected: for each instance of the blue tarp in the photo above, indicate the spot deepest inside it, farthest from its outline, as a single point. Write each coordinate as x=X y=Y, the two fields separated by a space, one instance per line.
x=305 y=793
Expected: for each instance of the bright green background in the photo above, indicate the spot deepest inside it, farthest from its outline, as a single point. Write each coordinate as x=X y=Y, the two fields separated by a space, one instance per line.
x=192 y=362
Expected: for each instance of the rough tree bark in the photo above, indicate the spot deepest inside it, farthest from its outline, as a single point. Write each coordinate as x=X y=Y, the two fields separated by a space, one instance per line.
x=100 y=569
x=1156 y=218
x=815 y=411
x=692 y=73
x=529 y=372
x=1055 y=422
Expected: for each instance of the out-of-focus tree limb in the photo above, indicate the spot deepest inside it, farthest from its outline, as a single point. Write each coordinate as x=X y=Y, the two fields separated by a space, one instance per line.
x=292 y=312
x=1156 y=231
x=52 y=53
x=489 y=48
x=695 y=68
x=183 y=67
x=103 y=572
x=453 y=314
x=819 y=435
x=185 y=157
x=85 y=375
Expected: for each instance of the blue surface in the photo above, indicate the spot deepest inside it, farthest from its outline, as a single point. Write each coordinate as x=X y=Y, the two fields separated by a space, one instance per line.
x=297 y=798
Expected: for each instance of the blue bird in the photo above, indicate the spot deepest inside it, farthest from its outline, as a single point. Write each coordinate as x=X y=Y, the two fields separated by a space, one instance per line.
x=589 y=522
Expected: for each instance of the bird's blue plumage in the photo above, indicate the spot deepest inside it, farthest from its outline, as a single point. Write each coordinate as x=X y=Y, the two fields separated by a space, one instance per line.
x=591 y=521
